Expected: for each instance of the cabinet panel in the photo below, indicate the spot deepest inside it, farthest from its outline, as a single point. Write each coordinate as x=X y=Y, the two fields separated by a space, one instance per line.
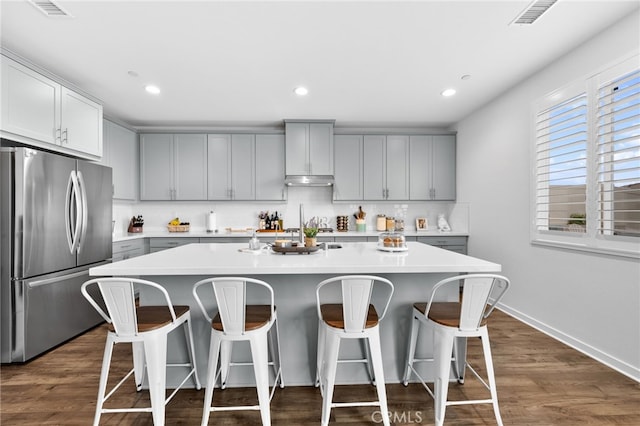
x=321 y=149
x=81 y=123
x=444 y=167
x=374 y=183
x=120 y=152
x=348 y=167
x=158 y=244
x=243 y=167
x=419 y=169
x=269 y=166
x=29 y=103
x=297 y=154
x=397 y=169
x=190 y=151
x=219 y=167
x=457 y=243
x=156 y=166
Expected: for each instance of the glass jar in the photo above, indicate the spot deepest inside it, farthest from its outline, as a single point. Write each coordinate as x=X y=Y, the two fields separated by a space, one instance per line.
x=381 y=224
x=391 y=224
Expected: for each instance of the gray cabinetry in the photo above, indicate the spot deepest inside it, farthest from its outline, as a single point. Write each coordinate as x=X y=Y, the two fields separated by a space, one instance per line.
x=453 y=243
x=432 y=167
x=269 y=168
x=386 y=171
x=173 y=167
x=159 y=244
x=231 y=163
x=127 y=249
x=121 y=154
x=309 y=147
x=348 y=161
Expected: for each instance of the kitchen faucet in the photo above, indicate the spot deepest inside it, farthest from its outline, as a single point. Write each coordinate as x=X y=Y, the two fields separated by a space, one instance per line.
x=301 y=224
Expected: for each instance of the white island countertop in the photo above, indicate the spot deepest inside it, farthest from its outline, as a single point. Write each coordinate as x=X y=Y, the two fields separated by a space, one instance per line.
x=352 y=258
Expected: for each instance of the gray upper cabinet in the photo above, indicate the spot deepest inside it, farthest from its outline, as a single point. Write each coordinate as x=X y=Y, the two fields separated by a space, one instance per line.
x=270 y=168
x=432 y=167
x=121 y=154
x=231 y=163
x=173 y=167
x=348 y=161
x=39 y=111
x=386 y=171
x=309 y=147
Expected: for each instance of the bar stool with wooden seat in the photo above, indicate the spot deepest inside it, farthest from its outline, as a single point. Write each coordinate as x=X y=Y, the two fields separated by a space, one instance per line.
x=238 y=321
x=146 y=328
x=453 y=323
x=354 y=317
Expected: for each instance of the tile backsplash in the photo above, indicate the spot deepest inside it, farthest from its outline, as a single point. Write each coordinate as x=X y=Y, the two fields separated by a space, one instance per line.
x=316 y=201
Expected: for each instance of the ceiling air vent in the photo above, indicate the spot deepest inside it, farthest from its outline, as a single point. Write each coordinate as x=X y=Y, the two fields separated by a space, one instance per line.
x=532 y=12
x=49 y=8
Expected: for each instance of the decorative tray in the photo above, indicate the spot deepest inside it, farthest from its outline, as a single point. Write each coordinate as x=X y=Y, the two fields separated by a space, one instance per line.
x=297 y=250
x=392 y=249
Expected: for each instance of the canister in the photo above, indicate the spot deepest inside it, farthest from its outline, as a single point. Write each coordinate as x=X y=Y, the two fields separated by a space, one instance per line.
x=391 y=224
x=381 y=224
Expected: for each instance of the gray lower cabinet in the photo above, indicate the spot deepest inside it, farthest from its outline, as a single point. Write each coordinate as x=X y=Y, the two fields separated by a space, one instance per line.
x=159 y=244
x=127 y=249
x=354 y=239
x=210 y=240
x=457 y=243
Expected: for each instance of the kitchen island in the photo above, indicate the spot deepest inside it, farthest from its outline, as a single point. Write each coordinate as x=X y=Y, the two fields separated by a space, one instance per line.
x=294 y=278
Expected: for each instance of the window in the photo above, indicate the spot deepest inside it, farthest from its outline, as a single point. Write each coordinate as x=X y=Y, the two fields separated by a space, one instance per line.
x=586 y=164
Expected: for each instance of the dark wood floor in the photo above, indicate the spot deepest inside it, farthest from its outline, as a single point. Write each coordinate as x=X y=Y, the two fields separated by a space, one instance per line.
x=540 y=382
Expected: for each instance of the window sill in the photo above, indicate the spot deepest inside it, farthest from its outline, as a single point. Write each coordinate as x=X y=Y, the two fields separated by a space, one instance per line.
x=633 y=254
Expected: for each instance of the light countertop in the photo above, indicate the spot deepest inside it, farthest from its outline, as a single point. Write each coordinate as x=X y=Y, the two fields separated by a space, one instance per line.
x=228 y=259
x=163 y=233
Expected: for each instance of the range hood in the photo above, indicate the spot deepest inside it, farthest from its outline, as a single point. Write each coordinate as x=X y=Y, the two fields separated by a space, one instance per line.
x=306 y=180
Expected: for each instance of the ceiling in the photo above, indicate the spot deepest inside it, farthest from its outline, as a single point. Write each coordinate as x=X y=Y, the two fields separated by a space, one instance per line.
x=365 y=63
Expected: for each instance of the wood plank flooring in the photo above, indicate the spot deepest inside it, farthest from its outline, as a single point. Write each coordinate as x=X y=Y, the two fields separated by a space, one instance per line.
x=540 y=382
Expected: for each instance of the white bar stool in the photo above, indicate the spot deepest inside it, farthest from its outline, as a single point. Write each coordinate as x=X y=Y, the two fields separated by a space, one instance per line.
x=453 y=323
x=237 y=321
x=146 y=328
x=353 y=318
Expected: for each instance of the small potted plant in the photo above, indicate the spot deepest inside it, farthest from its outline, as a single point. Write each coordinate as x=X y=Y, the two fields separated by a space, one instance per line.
x=310 y=237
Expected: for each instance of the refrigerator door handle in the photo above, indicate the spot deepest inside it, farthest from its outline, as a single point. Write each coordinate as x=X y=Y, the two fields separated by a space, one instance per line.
x=83 y=203
x=40 y=283
x=73 y=234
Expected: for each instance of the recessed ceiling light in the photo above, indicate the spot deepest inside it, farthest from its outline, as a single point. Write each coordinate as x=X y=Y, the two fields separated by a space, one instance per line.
x=132 y=73
x=154 y=90
x=448 y=92
x=300 y=91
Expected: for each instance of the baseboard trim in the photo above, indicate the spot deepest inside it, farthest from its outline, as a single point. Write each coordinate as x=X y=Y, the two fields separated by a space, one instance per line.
x=612 y=362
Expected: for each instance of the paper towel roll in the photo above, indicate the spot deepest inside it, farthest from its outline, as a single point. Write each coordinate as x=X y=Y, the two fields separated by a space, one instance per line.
x=211 y=222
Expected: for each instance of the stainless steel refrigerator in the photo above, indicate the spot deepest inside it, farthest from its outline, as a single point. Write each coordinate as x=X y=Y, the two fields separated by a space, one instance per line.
x=55 y=225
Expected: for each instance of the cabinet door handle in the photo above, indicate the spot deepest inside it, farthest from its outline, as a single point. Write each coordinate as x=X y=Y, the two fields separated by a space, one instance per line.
x=58 y=136
x=66 y=136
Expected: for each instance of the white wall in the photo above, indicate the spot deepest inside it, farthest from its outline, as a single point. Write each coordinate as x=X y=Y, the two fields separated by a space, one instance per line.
x=590 y=301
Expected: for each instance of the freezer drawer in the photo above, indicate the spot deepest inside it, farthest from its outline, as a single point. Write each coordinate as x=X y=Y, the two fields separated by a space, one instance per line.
x=49 y=310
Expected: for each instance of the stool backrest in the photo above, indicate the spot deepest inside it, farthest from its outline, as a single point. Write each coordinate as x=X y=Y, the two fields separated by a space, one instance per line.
x=118 y=295
x=356 y=292
x=231 y=297
x=480 y=294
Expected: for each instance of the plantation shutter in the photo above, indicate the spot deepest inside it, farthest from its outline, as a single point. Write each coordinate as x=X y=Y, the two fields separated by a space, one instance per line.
x=618 y=147
x=561 y=166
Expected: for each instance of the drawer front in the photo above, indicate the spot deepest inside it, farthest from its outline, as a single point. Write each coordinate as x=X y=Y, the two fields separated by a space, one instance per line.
x=223 y=240
x=352 y=239
x=443 y=241
x=124 y=246
x=166 y=243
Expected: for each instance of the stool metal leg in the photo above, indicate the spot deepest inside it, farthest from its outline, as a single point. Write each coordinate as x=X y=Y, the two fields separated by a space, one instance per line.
x=488 y=359
x=214 y=351
x=260 y=354
x=104 y=376
x=376 y=357
x=156 y=355
x=411 y=350
x=443 y=346
x=328 y=377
